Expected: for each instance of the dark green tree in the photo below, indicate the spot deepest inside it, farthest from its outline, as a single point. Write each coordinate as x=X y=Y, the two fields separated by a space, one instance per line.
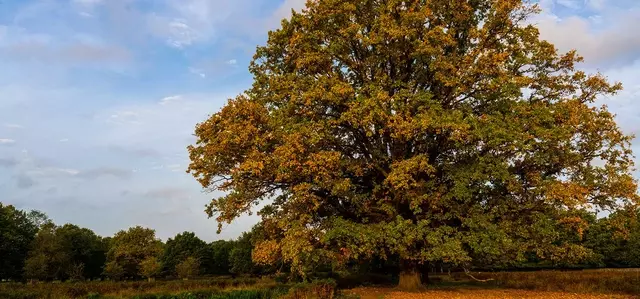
x=616 y=239
x=240 y=260
x=17 y=231
x=48 y=259
x=63 y=252
x=84 y=248
x=185 y=245
x=220 y=251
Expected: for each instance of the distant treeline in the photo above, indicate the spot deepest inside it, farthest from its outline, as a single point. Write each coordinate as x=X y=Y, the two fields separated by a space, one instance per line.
x=32 y=247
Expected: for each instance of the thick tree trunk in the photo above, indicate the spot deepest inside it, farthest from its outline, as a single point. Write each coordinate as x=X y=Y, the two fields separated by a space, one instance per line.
x=411 y=278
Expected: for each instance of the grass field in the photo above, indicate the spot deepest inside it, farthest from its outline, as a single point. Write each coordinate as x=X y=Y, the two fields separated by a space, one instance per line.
x=603 y=283
x=535 y=284
x=387 y=293
x=218 y=288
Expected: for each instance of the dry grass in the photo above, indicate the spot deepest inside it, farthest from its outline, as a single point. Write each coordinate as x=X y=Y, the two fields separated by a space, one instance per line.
x=221 y=288
x=604 y=283
x=387 y=293
x=586 y=281
x=128 y=289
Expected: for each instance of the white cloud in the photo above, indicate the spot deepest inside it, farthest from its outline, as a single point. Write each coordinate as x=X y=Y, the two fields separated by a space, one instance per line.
x=175 y=167
x=176 y=32
x=573 y=4
x=64 y=140
x=86 y=14
x=75 y=53
x=232 y=62
x=124 y=117
x=197 y=72
x=607 y=39
x=162 y=125
x=13 y=126
x=596 y=4
x=180 y=34
x=88 y=2
x=105 y=171
x=170 y=100
x=6 y=141
x=284 y=11
x=52 y=172
x=169 y=193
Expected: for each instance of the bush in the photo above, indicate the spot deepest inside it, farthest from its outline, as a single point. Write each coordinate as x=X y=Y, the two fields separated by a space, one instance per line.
x=319 y=289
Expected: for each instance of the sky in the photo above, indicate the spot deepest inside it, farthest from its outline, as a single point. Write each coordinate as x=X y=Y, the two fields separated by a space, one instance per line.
x=99 y=98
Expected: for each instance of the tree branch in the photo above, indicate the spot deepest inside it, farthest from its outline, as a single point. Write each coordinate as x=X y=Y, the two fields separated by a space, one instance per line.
x=480 y=280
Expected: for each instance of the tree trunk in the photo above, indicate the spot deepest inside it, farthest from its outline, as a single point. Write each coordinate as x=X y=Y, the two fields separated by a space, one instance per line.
x=411 y=277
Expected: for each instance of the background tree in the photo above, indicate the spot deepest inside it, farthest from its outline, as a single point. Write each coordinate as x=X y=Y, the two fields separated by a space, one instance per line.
x=185 y=245
x=150 y=268
x=48 y=259
x=428 y=130
x=76 y=272
x=114 y=270
x=616 y=239
x=17 y=230
x=220 y=251
x=65 y=252
x=83 y=247
x=129 y=248
x=187 y=268
x=240 y=260
x=36 y=267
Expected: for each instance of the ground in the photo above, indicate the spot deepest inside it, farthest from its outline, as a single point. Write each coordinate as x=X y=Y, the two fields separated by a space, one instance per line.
x=390 y=293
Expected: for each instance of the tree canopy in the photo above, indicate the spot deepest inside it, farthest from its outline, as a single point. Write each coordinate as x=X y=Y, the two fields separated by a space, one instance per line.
x=17 y=230
x=425 y=130
x=62 y=252
x=128 y=249
x=183 y=246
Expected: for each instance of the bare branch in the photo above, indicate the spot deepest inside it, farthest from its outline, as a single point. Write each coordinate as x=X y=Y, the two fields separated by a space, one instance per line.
x=480 y=280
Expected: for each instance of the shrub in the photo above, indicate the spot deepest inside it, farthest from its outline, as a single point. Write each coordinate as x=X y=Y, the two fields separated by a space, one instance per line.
x=319 y=289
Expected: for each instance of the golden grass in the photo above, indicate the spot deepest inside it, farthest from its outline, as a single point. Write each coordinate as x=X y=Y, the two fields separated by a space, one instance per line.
x=602 y=281
x=389 y=293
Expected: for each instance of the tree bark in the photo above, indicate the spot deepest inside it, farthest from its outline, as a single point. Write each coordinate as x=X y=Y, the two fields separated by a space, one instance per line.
x=411 y=277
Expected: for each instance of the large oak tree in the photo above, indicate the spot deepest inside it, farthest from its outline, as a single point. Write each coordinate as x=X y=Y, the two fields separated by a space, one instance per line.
x=426 y=130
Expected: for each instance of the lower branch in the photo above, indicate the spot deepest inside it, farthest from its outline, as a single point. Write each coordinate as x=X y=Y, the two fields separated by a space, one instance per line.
x=480 y=280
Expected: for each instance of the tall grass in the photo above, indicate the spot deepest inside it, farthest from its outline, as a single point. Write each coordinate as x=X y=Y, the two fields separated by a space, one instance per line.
x=186 y=289
x=124 y=289
x=579 y=281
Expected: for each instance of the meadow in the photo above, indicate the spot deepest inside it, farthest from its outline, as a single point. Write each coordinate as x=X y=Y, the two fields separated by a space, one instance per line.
x=602 y=283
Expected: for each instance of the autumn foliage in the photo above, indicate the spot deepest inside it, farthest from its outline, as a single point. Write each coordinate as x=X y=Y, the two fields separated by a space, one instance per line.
x=429 y=131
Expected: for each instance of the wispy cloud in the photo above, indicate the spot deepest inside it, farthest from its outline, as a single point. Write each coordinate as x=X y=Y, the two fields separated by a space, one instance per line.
x=607 y=40
x=169 y=193
x=170 y=100
x=8 y=162
x=92 y=174
x=6 y=141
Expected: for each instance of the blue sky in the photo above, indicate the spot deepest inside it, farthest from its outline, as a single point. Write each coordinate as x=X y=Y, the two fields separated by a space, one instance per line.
x=99 y=98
